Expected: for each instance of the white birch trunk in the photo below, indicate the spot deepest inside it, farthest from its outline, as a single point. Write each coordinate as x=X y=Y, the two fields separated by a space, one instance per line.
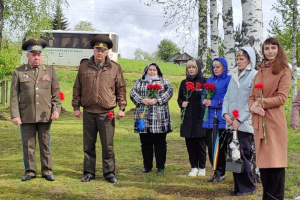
x=294 y=47
x=229 y=51
x=252 y=25
x=202 y=38
x=214 y=29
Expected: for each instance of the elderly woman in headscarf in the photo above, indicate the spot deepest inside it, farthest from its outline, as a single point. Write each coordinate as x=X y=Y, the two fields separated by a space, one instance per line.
x=154 y=113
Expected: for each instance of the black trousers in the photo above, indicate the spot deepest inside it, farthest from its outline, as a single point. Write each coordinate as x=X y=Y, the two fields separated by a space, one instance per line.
x=221 y=163
x=243 y=182
x=272 y=180
x=197 y=151
x=157 y=143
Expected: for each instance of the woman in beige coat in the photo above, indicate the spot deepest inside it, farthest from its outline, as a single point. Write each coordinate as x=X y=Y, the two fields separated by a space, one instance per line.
x=268 y=118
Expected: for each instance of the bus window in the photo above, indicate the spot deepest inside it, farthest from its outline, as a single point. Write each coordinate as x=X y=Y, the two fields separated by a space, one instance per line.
x=50 y=43
x=65 y=42
x=85 y=41
x=115 y=39
x=75 y=42
x=69 y=48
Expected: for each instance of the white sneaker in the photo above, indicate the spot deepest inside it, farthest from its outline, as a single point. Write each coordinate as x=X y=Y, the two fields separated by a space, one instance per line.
x=194 y=172
x=201 y=172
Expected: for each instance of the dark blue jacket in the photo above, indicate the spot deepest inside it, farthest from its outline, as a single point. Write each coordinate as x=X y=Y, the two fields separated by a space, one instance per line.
x=221 y=83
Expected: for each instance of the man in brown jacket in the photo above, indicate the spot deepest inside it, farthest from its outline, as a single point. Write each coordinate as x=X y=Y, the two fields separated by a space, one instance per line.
x=34 y=103
x=98 y=88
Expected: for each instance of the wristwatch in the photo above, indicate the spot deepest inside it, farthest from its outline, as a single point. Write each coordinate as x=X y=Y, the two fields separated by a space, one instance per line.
x=123 y=109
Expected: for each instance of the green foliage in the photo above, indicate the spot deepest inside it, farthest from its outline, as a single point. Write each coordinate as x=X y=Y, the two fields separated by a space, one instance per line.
x=59 y=21
x=9 y=57
x=221 y=47
x=30 y=17
x=84 y=26
x=238 y=36
x=282 y=30
x=140 y=54
x=166 y=48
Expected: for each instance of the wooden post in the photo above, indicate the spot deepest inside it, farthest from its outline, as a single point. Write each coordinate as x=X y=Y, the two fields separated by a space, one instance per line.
x=3 y=92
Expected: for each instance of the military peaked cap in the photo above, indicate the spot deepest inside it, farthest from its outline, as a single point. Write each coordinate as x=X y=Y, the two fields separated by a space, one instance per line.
x=102 y=42
x=35 y=44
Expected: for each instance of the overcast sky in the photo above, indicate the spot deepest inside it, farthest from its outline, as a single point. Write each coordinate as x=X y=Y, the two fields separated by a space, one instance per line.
x=138 y=25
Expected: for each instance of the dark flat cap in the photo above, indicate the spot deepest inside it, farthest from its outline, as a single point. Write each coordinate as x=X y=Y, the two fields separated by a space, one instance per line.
x=35 y=44
x=98 y=39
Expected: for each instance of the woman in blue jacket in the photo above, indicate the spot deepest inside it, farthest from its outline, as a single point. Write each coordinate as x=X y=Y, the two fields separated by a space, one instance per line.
x=221 y=80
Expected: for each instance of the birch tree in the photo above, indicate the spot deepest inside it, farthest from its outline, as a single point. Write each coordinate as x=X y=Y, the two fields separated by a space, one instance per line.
x=214 y=20
x=252 y=25
x=294 y=48
x=229 y=50
x=202 y=39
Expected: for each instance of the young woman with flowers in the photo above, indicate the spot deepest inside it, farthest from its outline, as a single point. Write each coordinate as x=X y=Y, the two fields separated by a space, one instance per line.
x=213 y=99
x=271 y=139
x=154 y=110
x=192 y=111
x=236 y=100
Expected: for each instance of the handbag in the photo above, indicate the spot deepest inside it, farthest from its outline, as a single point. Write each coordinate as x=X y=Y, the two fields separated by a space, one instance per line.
x=234 y=163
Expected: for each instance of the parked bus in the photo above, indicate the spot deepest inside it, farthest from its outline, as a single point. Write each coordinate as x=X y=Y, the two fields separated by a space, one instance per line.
x=70 y=48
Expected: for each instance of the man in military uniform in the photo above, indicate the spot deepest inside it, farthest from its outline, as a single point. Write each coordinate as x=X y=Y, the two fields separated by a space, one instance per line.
x=98 y=88
x=34 y=103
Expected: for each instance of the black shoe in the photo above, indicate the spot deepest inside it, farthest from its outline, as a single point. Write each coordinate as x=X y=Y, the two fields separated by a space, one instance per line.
x=27 y=177
x=245 y=193
x=112 y=179
x=160 y=171
x=212 y=179
x=216 y=178
x=146 y=170
x=49 y=177
x=233 y=193
x=87 y=178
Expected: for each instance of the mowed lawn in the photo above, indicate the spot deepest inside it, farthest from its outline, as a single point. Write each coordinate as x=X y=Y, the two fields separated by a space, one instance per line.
x=67 y=152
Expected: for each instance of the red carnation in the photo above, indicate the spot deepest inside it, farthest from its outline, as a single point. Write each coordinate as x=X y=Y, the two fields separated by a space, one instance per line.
x=198 y=86
x=259 y=86
x=61 y=96
x=149 y=86
x=157 y=86
x=189 y=83
x=110 y=114
x=236 y=114
x=190 y=87
x=210 y=90
x=209 y=86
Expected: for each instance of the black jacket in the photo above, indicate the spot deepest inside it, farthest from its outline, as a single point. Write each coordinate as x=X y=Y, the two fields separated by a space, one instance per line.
x=193 y=119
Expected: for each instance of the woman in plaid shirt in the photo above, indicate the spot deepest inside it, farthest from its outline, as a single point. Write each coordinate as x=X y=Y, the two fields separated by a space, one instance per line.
x=156 y=116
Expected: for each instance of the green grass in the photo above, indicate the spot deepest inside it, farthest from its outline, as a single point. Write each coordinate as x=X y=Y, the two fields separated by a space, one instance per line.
x=67 y=154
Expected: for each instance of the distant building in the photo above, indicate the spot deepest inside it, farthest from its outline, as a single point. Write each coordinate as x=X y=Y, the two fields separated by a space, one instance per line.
x=180 y=59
